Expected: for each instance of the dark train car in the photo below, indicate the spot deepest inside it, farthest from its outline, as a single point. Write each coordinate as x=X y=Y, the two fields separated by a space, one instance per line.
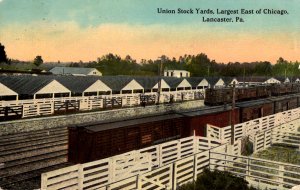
x=295 y=87
x=221 y=96
x=94 y=141
x=285 y=103
x=263 y=91
x=219 y=116
x=255 y=109
x=243 y=94
x=281 y=89
x=263 y=107
x=217 y=96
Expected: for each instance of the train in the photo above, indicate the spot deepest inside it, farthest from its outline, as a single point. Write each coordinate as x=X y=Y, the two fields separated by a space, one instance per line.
x=220 y=96
x=97 y=140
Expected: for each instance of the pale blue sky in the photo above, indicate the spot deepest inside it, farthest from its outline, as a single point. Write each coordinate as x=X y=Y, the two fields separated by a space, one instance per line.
x=97 y=12
x=62 y=29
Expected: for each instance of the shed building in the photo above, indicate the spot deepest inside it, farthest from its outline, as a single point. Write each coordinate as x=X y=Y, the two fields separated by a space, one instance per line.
x=198 y=82
x=76 y=71
x=176 y=73
x=84 y=86
x=7 y=93
x=32 y=87
x=215 y=82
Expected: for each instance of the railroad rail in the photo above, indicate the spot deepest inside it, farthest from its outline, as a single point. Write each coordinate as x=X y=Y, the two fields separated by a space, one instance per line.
x=24 y=156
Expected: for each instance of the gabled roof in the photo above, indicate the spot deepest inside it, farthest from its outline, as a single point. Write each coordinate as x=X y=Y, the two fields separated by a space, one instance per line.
x=194 y=81
x=176 y=70
x=172 y=82
x=213 y=80
x=72 y=70
x=258 y=79
x=25 y=84
x=116 y=83
x=228 y=80
x=281 y=79
x=133 y=85
x=5 y=91
x=76 y=84
x=147 y=82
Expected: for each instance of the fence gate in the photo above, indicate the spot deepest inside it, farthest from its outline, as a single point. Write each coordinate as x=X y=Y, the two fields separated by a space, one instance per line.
x=131 y=164
x=11 y=112
x=114 y=102
x=67 y=106
x=161 y=178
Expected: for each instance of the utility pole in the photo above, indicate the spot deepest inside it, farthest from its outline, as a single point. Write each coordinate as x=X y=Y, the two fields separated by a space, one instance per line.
x=244 y=77
x=233 y=114
x=159 y=79
x=208 y=70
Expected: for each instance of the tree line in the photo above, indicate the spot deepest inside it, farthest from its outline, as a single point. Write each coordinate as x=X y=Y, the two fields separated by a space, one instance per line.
x=198 y=65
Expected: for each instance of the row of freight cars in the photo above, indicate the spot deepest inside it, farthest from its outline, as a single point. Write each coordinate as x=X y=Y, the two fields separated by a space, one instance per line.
x=97 y=140
x=221 y=96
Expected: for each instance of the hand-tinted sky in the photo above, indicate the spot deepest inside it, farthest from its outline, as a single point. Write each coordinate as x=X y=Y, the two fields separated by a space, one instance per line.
x=73 y=30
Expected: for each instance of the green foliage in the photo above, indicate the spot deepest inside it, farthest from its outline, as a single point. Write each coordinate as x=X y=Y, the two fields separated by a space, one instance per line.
x=199 y=65
x=216 y=180
x=247 y=148
x=38 y=61
x=280 y=154
x=3 y=57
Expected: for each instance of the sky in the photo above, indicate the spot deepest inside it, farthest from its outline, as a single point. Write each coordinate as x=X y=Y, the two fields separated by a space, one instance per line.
x=73 y=30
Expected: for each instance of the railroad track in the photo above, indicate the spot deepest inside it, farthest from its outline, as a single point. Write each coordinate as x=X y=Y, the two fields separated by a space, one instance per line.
x=24 y=156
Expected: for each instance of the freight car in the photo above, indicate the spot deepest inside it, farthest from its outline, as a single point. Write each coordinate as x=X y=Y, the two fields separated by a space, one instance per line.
x=219 y=116
x=220 y=96
x=93 y=141
x=263 y=107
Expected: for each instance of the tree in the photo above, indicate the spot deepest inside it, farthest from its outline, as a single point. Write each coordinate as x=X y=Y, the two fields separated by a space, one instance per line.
x=215 y=180
x=3 y=57
x=38 y=60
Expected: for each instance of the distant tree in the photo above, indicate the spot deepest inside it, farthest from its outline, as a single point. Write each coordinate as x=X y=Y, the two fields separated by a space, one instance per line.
x=3 y=57
x=128 y=58
x=38 y=60
x=280 y=68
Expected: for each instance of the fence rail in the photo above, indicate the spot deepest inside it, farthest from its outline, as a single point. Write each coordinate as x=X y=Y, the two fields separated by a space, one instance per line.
x=171 y=164
x=48 y=106
x=94 y=174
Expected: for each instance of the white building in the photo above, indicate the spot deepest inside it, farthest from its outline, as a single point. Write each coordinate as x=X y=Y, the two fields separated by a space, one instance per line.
x=176 y=73
x=76 y=71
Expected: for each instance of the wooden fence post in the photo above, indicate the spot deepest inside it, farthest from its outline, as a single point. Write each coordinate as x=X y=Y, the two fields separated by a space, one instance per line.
x=44 y=179
x=281 y=175
x=112 y=167
x=80 y=177
x=139 y=182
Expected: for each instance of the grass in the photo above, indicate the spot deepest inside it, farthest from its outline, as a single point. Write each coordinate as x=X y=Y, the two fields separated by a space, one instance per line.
x=280 y=154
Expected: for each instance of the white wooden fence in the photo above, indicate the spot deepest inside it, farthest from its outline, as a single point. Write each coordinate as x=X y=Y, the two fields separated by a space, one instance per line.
x=256 y=125
x=259 y=172
x=94 y=174
x=177 y=162
x=39 y=107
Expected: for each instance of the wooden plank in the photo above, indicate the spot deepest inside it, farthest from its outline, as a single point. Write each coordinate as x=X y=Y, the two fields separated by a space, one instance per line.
x=63 y=171
x=65 y=184
x=62 y=178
